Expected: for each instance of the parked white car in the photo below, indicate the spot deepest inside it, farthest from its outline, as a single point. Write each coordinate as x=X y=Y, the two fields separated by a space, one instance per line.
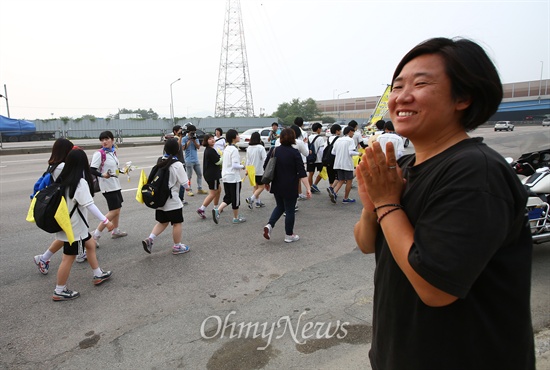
x=245 y=137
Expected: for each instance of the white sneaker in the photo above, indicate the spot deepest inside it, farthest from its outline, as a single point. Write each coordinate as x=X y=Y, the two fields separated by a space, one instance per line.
x=267 y=231
x=291 y=238
x=81 y=257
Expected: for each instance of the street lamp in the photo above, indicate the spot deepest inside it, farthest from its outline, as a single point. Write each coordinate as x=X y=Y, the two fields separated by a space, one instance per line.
x=333 y=98
x=5 y=96
x=172 y=100
x=540 y=83
x=345 y=92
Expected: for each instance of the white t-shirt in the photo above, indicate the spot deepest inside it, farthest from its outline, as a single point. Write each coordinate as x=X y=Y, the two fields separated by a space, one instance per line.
x=344 y=149
x=357 y=138
x=111 y=164
x=178 y=177
x=398 y=144
x=57 y=171
x=255 y=156
x=83 y=197
x=219 y=144
x=300 y=145
x=318 y=144
x=230 y=156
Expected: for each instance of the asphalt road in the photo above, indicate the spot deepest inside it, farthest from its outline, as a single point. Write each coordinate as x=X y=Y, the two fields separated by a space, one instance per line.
x=164 y=311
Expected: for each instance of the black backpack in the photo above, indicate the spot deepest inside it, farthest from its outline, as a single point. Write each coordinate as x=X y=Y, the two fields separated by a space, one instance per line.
x=328 y=157
x=47 y=203
x=312 y=156
x=156 y=192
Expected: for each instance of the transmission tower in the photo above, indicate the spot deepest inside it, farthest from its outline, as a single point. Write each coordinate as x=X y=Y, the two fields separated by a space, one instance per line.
x=234 y=95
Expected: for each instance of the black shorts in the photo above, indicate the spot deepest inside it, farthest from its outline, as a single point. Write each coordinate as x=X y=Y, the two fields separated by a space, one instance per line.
x=311 y=167
x=344 y=175
x=114 y=199
x=174 y=216
x=259 y=180
x=214 y=184
x=72 y=249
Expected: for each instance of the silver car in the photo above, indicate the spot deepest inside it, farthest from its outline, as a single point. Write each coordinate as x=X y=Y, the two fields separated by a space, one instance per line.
x=504 y=126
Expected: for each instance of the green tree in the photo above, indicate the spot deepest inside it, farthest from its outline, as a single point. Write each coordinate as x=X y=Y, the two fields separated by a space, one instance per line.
x=90 y=117
x=145 y=114
x=307 y=109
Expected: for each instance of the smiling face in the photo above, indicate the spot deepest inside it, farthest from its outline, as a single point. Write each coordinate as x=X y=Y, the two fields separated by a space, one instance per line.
x=421 y=105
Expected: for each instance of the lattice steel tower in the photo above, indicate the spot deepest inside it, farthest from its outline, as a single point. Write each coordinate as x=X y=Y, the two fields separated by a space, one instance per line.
x=234 y=96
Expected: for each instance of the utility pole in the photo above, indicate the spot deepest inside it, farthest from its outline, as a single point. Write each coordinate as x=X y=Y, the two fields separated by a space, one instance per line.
x=234 y=94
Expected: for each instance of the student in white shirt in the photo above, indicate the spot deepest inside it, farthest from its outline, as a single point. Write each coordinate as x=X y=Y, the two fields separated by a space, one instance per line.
x=231 y=177
x=172 y=210
x=77 y=179
x=318 y=142
x=344 y=149
x=255 y=156
x=391 y=135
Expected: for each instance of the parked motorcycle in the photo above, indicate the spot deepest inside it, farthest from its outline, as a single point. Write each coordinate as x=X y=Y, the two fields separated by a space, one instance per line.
x=535 y=167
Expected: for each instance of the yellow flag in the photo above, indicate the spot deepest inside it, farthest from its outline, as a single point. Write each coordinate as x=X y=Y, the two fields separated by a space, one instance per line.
x=323 y=173
x=142 y=181
x=251 y=175
x=30 y=212
x=64 y=220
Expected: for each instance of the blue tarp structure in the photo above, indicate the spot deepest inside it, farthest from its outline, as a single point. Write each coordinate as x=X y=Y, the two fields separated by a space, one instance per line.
x=15 y=127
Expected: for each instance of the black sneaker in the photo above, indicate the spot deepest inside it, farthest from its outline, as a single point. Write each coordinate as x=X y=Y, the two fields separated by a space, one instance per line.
x=105 y=275
x=65 y=295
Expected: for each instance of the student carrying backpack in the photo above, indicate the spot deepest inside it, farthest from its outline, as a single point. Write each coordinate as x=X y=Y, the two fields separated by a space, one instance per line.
x=328 y=157
x=312 y=156
x=168 y=174
x=156 y=191
x=46 y=205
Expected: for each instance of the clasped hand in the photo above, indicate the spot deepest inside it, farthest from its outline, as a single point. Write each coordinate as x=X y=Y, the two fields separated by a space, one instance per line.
x=379 y=179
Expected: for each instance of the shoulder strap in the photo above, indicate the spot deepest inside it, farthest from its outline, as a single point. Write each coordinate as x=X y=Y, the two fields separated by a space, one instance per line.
x=80 y=213
x=52 y=168
x=103 y=159
x=218 y=139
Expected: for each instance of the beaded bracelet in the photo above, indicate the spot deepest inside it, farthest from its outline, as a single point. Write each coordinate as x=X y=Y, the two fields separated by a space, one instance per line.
x=387 y=213
x=388 y=205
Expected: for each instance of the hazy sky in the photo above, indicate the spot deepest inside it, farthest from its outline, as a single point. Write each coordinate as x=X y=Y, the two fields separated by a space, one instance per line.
x=75 y=57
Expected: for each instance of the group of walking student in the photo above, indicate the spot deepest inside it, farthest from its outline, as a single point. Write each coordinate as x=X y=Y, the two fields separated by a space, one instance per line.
x=69 y=166
x=222 y=166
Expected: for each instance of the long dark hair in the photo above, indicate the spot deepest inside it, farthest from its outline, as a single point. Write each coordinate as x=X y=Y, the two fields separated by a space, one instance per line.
x=255 y=139
x=60 y=149
x=76 y=168
x=171 y=149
